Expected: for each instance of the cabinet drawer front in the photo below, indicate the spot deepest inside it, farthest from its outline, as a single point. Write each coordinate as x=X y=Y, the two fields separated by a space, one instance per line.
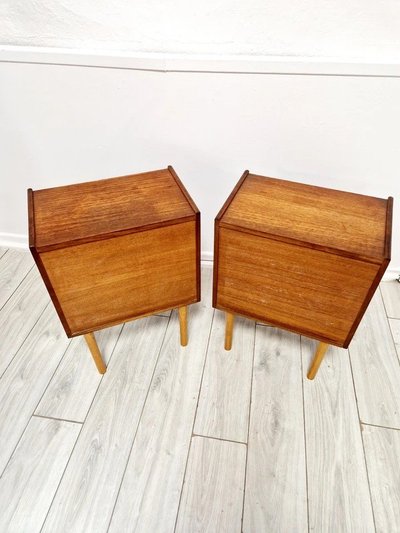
x=304 y=290
x=114 y=280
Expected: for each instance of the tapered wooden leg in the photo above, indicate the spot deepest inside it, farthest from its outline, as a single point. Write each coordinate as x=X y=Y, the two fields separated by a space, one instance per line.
x=183 y=325
x=319 y=355
x=94 y=350
x=229 y=318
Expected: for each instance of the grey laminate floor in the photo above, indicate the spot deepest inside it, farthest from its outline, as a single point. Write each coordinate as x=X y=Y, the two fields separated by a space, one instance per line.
x=196 y=438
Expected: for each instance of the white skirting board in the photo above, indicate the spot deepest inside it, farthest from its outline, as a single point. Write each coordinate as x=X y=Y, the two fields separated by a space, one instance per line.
x=14 y=240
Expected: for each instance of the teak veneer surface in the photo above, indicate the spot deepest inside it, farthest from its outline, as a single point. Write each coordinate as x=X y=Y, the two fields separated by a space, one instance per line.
x=86 y=211
x=304 y=258
x=303 y=290
x=125 y=277
x=314 y=216
x=117 y=249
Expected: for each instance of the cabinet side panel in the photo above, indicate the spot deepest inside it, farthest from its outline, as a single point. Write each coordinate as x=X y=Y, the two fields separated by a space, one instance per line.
x=303 y=290
x=111 y=281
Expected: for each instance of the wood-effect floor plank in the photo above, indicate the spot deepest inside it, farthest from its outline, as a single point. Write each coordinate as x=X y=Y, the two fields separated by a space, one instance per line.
x=30 y=480
x=382 y=450
x=27 y=377
x=338 y=492
x=74 y=384
x=394 y=324
x=3 y=250
x=88 y=490
x=223 y=410
x=150 y=491
x=276 y=497
x=391 y=296
x=376 y=368
x=212 y=495
x=14 y=266
x=19 y=315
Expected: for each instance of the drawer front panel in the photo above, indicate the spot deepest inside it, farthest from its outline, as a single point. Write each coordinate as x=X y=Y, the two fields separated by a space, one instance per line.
x=111 y=281
x=305 y=290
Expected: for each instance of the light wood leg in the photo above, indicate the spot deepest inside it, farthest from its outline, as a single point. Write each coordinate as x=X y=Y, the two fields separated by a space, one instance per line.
x=94 y=350
x=183 y=325
x=319 y=355
x=229 y=318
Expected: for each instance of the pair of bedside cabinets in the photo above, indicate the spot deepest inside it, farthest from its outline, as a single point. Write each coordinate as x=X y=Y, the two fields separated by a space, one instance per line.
x=304 y=258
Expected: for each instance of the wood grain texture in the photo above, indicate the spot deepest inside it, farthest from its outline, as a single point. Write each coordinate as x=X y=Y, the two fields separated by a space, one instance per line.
x=89 y=488
x=223 y=408
x=75 y=382
x=376 y=368
x=317 y=216
x=382 y=450
x=212 y=496
x=303 y=290
x=276 y=497
x=19 y=315
x=25 y=380
x=391 y=297
x=150 y=491
x=86 y=211
x=28 y=484
x=338 y=493
x=124 y=278
x=14 y=266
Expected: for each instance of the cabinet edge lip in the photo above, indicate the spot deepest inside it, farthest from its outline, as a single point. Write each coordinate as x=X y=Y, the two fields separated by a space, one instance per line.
x=232 y=195
x=281 y=325
x=109 y=324
x=304 y=244
x=388 y=229
x=367 y=300
x=183 y=189
x=113 y=234
x=31 y=219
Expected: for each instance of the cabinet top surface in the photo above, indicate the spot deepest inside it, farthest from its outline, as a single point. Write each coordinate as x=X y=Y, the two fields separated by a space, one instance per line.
x=317 y=217
x=84 y=211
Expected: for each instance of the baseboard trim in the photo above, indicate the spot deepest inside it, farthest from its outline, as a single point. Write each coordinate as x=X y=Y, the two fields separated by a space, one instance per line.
x=169 y=62
x=14 y=240
x=17 y=240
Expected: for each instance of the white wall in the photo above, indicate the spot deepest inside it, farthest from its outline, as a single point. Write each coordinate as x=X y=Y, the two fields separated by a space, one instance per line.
x=62 y=124
x=364 y=29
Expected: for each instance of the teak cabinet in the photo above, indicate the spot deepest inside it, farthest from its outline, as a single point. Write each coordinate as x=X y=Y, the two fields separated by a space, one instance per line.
x=304 y=258
x=116 y=249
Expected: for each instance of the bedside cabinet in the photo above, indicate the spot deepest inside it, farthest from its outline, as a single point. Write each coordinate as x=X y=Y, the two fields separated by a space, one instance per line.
x=300 y=257
x=116 y=249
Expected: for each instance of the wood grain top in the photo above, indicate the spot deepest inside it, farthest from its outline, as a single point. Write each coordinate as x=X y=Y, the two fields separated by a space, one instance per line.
x=350 y=224
x=88 y=211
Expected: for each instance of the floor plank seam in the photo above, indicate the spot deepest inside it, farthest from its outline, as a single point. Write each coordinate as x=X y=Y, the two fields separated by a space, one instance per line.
x=218 y=438
x=361 y=436
x=139 y=419
x=61 y=478
x=102 y=376
x=390 y=328
x=23 y=342
x=57 y=419
x=16 y=288
x=194 y=419
x=248 y=427
x=4 y=253
x=51 y=377
x=385 y=306
x=304 y=429
x=378 y=426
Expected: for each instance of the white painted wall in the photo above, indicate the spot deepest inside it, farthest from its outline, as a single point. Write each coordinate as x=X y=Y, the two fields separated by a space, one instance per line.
x=364 y=29
x=62 y=124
